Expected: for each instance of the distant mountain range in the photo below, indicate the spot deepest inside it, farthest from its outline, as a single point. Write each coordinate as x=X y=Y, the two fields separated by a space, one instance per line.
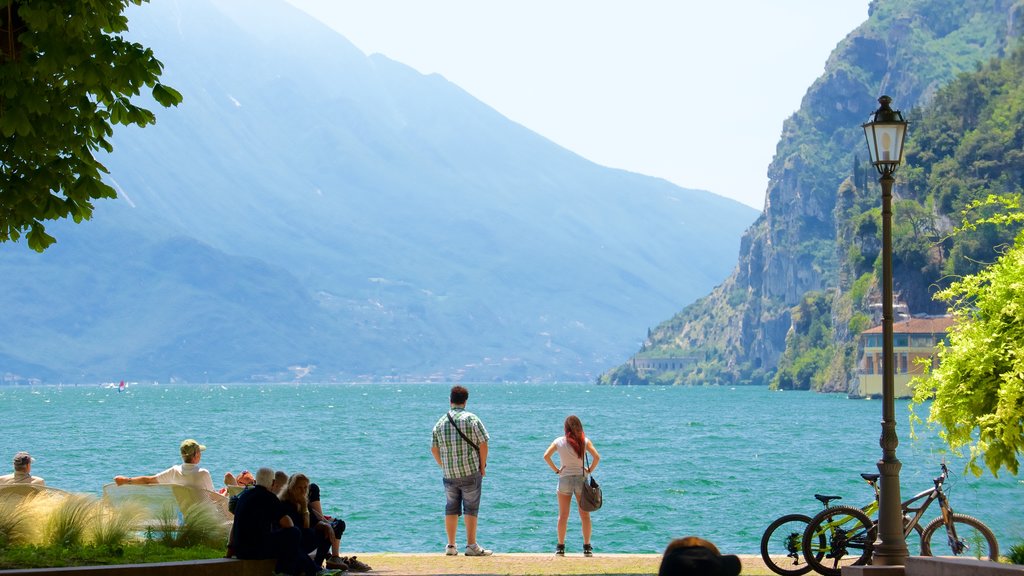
x=311 y=212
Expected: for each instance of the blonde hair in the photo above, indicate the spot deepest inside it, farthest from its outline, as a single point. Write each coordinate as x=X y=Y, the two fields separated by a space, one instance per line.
x=287 y=494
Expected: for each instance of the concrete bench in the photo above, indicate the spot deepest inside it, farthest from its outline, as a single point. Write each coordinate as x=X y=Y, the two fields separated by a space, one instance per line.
x=930 y=566
x=933 y=566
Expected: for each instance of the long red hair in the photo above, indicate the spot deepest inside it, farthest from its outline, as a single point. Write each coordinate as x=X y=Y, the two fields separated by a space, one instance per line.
x=574 y=435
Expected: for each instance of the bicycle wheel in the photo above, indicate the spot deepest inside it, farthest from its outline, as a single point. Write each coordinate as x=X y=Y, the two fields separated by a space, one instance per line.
x=837 y=537
x=973 y=539
x=782 y=545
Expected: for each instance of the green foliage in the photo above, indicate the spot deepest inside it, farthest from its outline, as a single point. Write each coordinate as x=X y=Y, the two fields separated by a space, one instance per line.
x=624 y=375
x=67 y=75
x=809 y=348
x=1016 y=554
x=963 y=150
x=977 y=391
x=28 y=557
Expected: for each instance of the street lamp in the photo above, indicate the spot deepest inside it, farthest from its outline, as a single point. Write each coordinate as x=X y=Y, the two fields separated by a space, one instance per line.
x=885 y=134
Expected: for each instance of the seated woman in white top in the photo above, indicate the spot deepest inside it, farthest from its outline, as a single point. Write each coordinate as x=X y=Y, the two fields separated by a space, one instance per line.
x=188 y=473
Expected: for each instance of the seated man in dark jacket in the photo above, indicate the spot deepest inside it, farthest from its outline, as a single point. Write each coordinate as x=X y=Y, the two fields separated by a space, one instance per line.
x=262 y=529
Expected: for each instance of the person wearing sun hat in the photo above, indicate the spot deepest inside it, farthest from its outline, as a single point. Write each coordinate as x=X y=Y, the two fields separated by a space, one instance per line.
x=22 y=471
x=188 y=473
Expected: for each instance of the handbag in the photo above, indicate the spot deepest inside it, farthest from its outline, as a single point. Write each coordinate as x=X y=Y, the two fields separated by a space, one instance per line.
x=591 y=497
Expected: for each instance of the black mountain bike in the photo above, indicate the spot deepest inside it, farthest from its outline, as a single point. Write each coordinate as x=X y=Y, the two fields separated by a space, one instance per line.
x=782 y=542
x=845 y=536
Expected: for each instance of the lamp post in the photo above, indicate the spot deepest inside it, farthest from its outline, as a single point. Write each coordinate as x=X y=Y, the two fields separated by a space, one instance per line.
x=885 y=133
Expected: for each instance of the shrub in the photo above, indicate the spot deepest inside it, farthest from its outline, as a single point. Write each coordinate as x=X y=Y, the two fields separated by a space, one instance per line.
x=113 y=526
x=71 y=520
x=1016 y=554
x=200 y=524
x=203 y=526
x=13 y=524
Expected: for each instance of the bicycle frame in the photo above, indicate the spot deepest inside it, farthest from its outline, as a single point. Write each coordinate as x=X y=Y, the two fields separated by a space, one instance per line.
x=837 y=533
x=930 y=495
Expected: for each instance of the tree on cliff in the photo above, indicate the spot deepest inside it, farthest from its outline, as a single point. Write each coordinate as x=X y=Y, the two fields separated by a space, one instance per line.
x=977 y=390
x=67 y=76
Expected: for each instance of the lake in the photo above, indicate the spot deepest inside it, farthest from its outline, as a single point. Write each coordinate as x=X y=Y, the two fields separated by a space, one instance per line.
x=718 y=462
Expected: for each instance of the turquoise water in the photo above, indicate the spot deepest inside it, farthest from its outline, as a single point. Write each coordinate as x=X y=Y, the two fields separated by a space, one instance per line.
x=717 y=462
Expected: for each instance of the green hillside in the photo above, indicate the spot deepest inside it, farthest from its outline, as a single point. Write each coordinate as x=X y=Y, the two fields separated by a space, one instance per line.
x=805 y=284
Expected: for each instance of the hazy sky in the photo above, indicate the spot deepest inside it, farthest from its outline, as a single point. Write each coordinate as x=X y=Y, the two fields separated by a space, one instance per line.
x=693 y=92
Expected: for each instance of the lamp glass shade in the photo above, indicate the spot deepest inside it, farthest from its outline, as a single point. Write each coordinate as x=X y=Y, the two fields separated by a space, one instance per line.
x=885 y=142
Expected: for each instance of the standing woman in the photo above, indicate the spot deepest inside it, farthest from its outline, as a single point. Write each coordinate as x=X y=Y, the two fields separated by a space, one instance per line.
x=571 y=474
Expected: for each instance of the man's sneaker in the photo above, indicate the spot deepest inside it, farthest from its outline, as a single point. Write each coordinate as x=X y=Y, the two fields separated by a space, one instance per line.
x=451 y=550
x=560 y=550
x=337 y=563
x=355 y=565
x=587 y=550
x=477 y=550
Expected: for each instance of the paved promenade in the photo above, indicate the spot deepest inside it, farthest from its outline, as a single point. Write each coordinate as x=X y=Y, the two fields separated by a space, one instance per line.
x=394 y=564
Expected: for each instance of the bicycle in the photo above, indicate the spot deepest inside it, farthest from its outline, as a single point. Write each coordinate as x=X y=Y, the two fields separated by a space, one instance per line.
x=782 y=542
x=835 y=532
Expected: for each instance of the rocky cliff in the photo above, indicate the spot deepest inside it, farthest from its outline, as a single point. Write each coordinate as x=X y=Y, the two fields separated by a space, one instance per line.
x=906 y=49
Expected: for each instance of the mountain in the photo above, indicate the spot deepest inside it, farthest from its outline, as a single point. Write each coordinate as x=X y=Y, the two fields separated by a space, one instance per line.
x=806 y=267
x=312 y=212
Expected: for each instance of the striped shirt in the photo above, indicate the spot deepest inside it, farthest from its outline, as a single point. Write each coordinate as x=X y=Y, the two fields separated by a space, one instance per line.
x=458 y=458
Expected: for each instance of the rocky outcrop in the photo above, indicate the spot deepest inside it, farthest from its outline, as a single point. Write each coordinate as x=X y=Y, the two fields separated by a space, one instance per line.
x=906 y=50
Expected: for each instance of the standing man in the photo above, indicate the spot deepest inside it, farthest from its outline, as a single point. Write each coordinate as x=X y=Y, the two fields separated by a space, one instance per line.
x=459 y=446
x=22 y=471
x=188 y=473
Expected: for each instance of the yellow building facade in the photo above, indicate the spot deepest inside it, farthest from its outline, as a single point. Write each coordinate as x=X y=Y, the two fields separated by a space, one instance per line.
x=913 y=340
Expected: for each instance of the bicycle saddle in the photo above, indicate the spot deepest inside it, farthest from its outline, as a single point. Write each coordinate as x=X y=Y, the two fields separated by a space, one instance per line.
x=870 y=477
x=826 y=499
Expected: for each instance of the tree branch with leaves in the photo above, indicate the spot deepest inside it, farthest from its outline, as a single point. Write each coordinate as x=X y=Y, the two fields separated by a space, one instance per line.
x=67 y=76
x=977 y=389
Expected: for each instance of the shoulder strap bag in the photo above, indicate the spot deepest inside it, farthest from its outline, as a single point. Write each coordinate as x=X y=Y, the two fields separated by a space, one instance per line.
x=591 y=498
x=464 y=437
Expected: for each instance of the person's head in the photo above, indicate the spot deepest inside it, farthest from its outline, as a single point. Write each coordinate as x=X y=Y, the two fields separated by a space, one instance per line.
x=693 y=556
x=191 y=451
x=245 y=479
x=574 y=434
x=280 y=479
x=296 y=488
x=23 y=462
x=458 y=396
x=265 y=478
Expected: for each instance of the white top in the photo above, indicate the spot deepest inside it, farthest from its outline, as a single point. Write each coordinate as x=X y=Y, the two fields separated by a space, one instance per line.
x=187 y=475
x=572 y=465
x=22 y=478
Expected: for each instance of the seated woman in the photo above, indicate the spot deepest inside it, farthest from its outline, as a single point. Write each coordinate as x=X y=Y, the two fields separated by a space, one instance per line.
x=316 y=533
